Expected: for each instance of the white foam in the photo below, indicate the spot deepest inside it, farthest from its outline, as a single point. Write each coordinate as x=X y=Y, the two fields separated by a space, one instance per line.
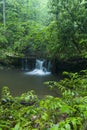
x=38 y=72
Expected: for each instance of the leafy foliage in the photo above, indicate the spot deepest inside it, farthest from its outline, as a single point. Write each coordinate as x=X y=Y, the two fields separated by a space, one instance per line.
x=71 y=31
x=73 y=90
x=68 y=112
x=49 y=28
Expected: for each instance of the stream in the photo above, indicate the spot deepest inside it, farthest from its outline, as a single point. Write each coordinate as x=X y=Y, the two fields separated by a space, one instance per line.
x=19 y=82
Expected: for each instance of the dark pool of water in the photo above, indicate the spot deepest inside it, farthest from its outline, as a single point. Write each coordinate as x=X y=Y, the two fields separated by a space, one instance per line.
x=19 y=82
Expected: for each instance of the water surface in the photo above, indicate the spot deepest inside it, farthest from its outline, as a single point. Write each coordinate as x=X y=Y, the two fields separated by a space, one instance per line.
x=19 y=82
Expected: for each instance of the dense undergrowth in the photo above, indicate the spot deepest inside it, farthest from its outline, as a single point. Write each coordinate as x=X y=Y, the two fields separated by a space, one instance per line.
x=28 y=112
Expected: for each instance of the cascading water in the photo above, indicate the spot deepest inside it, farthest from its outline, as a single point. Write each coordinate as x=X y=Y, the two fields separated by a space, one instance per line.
x=39 y=69
x=25 y=64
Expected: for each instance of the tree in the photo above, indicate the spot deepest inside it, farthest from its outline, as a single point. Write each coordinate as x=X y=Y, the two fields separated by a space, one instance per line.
x=24 y=20
x=71 y=26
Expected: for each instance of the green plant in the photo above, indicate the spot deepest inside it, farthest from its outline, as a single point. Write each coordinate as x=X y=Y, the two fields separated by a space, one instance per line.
x=28 y=112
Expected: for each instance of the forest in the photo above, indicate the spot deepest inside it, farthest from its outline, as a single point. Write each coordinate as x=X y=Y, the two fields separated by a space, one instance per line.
x=55 y=30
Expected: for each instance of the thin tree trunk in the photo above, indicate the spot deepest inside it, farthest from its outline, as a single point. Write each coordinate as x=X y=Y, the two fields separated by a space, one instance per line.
x=4 y=19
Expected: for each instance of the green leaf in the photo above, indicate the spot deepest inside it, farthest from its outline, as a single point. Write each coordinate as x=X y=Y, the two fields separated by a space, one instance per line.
x=85 y=114
x=17 y=127
x=62 y=129
x=67 y=126
x=65 y=109
x=45 y=116
x=55 y=127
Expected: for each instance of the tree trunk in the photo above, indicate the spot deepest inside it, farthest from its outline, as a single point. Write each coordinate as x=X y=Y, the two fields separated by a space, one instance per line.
x=4 y=19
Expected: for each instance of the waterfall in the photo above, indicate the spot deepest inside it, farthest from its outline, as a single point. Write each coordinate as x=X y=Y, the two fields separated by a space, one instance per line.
x=40 y=69
x=25 y=64
x=39 y=65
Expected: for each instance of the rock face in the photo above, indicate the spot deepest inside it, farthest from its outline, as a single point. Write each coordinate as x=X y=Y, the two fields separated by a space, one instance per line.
x=19 y=63
x=71 y=65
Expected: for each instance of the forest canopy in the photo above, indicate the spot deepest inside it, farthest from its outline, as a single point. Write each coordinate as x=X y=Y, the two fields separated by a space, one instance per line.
x=50 y=28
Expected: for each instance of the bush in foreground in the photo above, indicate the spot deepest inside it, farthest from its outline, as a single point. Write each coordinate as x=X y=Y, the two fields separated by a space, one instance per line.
x=28 y=112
